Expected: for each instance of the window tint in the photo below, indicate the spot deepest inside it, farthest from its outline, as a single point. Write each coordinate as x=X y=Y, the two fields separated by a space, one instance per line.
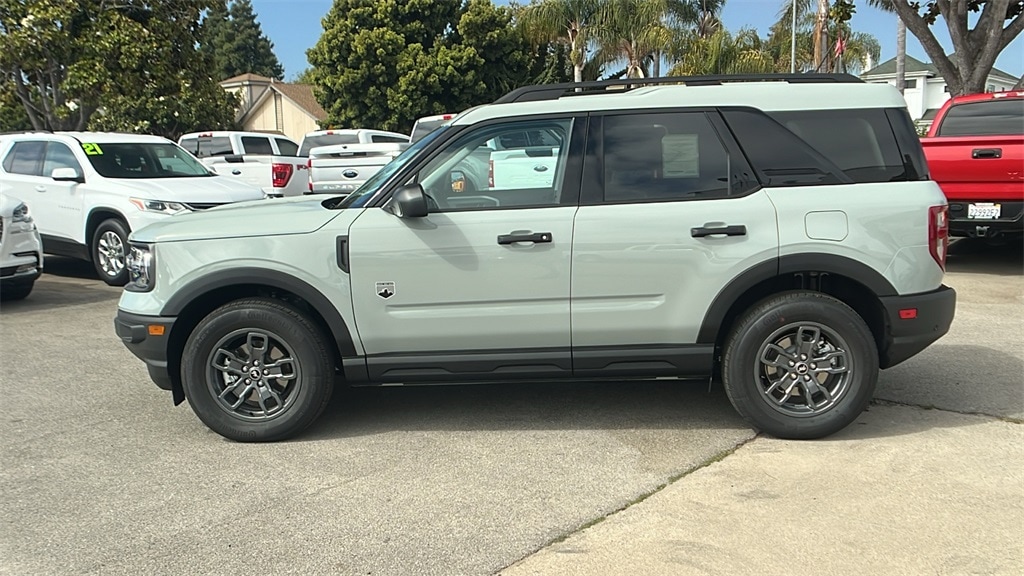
x=672 y=156
x=859 y=142
x=144 y=160
x=24 y=158
x=778 y=156
x=59 y=155
x=204 y=146
x=389 y=139
x=287 y=147
x=256 y=145
x=999 y=117
x=475 y=172
x=310 y=142
x=910 y=144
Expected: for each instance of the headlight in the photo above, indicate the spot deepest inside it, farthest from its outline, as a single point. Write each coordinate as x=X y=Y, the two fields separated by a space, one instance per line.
x=140 y=268
x=159 y=206
x=21 y=214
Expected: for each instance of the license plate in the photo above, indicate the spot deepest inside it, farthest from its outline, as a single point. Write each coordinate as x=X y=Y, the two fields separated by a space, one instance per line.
x=984 y=211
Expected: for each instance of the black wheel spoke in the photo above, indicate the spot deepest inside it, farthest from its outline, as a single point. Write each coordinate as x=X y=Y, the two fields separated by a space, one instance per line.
x=246 y=378
x=804 y=369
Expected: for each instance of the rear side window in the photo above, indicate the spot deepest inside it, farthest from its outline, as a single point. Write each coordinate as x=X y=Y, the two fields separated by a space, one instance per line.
x=779 y=157
x=256 y=145
x=25 y=158
x=861 y=143
x=287 y=147
x=997 y=117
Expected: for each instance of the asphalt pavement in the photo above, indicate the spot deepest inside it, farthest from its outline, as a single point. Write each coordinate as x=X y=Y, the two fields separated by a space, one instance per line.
x=102 y=475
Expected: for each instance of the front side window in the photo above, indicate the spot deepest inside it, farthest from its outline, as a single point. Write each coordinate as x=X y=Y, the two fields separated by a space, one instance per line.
x=143 y=160
x=509 y=165
x=663 y=157
x=24 y=158
x=58 y=155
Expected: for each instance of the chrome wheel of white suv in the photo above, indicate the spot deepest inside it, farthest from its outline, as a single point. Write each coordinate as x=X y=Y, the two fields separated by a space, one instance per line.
x=109 y=251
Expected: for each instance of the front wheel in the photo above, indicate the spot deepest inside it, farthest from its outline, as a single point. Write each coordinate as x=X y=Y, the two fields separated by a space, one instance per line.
x=257 y=370
x=109 y=247
x=800 y=365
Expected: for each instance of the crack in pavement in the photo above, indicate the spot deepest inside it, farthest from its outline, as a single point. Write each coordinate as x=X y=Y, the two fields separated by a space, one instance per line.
x=897 y=403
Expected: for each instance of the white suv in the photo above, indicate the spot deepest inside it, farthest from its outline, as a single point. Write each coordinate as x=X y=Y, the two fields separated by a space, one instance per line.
x=779 y=233
x=90 y=190
x=21 y=251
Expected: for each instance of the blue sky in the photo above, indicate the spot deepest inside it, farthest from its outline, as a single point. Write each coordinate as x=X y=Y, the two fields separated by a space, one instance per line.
x=294 y=26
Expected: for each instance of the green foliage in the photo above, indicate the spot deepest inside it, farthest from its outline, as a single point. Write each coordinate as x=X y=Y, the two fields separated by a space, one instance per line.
x=234 y=40
x=134 y=59
x=12 y=114
x=723 y=53
x=384 y=63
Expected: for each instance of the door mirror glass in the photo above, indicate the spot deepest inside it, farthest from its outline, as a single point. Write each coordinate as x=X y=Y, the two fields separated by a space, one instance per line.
x=458 y=181
x=66 y=175
x=408 y=202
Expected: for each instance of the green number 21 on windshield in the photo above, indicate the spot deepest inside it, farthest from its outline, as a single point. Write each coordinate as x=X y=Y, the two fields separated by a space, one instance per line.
x=92 y=149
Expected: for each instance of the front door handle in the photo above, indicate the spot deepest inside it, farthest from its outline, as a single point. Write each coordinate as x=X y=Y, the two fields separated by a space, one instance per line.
x=987 y=153
x=40 y=188
x=734 y=230
x=535 y=237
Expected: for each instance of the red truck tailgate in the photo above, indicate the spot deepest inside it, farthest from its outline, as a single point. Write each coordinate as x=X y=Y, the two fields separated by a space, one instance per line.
x=977 y=167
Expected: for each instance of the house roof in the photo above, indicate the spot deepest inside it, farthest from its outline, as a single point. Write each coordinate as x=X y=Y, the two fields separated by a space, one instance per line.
x=915 y=66
x=299 y=94
x=248 y=77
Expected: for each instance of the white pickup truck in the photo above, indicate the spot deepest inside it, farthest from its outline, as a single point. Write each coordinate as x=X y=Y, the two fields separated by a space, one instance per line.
x=268 y=161
x=351 y=158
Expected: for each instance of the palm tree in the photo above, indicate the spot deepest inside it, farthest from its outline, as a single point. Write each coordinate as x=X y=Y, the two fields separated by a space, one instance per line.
x=860 y=48
x=719 y=52
x=682 y=16
x=568 y=21
x=631 y=31
x=901 y=43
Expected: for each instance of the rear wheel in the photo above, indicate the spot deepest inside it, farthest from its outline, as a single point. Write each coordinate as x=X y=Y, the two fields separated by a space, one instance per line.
x=257 y=370
x=800 y=365
x=109 y=247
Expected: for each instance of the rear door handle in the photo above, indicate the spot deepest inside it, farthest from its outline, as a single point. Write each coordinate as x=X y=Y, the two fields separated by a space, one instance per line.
x=734 y=230
x=535 y=237
x=987 y=153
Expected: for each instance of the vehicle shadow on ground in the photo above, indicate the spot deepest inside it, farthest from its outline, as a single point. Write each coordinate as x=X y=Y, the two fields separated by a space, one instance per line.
x=971 y=255
x=526 y=406
x=65 y=282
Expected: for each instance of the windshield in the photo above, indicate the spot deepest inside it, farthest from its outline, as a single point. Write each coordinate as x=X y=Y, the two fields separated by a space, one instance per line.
x=310 y=142
x=143 y=160
x=362 y=195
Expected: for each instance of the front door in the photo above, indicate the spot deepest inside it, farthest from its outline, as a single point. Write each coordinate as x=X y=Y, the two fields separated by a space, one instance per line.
x=479 y=288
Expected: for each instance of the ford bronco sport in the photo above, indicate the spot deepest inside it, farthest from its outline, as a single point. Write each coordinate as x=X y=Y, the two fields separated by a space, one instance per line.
x=777 y=232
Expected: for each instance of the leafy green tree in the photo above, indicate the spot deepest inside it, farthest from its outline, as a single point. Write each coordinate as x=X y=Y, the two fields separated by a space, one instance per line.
x=716 y=51
x=570 y=22
x=975 y=49
x=233 y=38
x=12 y=114
x=135 y=60
x=384 y=63
x=632 y=31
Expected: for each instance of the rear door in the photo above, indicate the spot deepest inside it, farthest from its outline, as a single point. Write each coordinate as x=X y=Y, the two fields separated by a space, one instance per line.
x=670 y=215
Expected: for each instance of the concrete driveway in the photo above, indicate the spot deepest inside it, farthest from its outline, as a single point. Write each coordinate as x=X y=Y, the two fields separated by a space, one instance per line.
x=101 y=475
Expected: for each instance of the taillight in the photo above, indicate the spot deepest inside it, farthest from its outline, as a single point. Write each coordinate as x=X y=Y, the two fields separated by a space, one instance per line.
x=490 y=173
x=309 y=171
x=938 y=234
x=282 y=174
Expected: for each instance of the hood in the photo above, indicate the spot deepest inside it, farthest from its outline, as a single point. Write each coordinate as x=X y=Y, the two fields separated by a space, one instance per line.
x=272 y=217
x=196 y=189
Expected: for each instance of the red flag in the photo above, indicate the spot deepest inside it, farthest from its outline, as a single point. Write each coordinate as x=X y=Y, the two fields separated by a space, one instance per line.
x=840 y=46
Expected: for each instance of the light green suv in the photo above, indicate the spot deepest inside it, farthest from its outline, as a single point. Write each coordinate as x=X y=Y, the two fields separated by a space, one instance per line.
x=777 y=232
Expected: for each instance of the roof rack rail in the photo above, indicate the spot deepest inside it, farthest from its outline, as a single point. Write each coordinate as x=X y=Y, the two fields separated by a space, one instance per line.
x=556 y=91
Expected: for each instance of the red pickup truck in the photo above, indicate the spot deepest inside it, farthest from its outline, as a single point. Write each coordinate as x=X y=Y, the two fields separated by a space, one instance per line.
x=975 y=152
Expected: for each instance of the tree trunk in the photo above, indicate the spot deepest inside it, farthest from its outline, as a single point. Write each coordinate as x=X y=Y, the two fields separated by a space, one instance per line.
x=656 y=64
x=821 y=37
x=901 y=55
x=577 y=73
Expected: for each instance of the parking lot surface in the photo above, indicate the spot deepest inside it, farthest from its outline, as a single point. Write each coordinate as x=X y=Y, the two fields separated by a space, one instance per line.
x=102 y=475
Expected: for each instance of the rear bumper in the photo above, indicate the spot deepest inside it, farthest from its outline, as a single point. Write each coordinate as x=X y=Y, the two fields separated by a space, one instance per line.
x=134 y=331
x=1010 y=221
x=907 y=336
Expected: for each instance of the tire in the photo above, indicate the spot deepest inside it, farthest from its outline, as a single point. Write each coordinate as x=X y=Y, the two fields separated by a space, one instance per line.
x=108 y=250
x=242 y=339
x=764 y=358
x=18 y=291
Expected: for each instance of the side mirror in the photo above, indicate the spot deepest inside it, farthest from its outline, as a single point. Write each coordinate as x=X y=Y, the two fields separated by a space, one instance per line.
x=458 y=181
x=408 y=202
x=67 y=175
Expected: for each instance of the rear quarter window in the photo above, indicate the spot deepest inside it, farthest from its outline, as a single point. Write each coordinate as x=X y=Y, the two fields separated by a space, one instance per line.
x=996 y=117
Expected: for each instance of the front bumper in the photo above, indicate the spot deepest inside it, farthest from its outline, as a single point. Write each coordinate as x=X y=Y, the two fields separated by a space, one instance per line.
x=140 y=335
x=932 y=315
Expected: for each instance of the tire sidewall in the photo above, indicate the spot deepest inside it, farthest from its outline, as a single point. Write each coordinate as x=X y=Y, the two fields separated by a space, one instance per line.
x=119 y=228
x=316 y=375
x=742 y=384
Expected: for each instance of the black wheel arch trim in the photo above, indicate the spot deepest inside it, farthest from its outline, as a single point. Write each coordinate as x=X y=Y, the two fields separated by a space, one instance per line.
x=789 y=264
x=273 y=279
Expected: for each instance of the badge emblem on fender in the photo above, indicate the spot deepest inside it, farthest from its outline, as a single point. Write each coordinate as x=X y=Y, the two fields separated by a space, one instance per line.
x=385 y=289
